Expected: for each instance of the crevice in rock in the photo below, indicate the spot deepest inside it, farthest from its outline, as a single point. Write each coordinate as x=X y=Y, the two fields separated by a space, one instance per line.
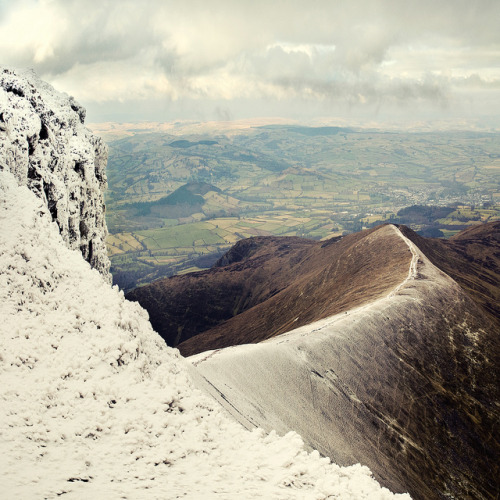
x=91 y=251
x=51 y=203
x=84 y=230
x=73 y=235
x=44 y=132
x=80 y=169
x=33 y=173
x=31 y=145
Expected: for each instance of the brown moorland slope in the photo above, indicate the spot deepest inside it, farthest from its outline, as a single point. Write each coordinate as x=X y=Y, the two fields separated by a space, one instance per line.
x=180 y=307
x=270 y=285
x=336 y=276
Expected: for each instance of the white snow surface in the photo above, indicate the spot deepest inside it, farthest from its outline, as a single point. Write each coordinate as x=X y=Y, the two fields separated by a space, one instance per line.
x=94 y=405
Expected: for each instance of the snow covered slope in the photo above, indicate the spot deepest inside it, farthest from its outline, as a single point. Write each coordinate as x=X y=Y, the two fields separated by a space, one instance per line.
x=44 y=143
x=405 y=384
x=92 y=402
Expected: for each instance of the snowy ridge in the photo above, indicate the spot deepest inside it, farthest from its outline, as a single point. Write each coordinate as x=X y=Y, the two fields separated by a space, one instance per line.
x=341 y=320
x=94 y=405
x=330 y=380
x=412 y=271
x=44 y=143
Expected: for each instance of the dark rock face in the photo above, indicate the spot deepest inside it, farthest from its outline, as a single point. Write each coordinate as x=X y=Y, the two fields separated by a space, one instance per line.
x=45 y=145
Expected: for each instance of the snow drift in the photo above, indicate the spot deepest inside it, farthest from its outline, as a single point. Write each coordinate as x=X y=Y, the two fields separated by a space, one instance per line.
x=92 y=403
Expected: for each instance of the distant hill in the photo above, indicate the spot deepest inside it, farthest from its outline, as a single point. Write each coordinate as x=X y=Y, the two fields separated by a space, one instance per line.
x=433 y=221
x=310 y=131
x=183 y=144
x=184 y=201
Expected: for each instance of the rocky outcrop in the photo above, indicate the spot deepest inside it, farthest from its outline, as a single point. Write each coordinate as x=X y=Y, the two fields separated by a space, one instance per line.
x=44 y=143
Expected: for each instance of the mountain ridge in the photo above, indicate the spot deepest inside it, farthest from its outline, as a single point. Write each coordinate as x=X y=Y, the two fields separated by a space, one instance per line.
x=284 y=274
x=414 y=372
x=408 y=364
x=265 y=273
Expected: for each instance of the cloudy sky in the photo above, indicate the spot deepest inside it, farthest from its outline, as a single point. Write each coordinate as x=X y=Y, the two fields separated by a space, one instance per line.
x=165 y=60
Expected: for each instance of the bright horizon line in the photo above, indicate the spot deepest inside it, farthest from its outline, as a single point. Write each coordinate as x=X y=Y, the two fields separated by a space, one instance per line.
x=182 y=124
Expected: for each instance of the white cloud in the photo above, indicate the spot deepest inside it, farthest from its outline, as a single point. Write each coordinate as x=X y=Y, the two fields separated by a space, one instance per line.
x=356 y=53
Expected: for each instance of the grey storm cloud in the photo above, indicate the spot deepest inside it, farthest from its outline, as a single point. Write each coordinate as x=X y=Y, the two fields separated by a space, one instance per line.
x=365 y=91
x=359 y=51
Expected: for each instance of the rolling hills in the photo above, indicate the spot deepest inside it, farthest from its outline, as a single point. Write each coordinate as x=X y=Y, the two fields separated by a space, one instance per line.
x=285 y=180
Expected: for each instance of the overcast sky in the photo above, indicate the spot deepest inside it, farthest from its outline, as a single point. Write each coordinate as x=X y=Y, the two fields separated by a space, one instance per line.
x=218 y=59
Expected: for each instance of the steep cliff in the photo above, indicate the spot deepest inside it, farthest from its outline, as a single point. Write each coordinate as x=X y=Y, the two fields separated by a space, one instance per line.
x=45 y=145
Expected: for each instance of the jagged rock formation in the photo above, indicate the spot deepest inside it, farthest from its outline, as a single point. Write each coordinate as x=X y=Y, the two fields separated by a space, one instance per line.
x=44 y=143
x=408 y=383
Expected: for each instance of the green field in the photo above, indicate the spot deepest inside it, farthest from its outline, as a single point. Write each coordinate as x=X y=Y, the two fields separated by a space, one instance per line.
x=177 y=202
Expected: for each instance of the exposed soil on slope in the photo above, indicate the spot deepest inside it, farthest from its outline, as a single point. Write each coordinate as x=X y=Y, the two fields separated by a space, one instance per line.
x=269 y=285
